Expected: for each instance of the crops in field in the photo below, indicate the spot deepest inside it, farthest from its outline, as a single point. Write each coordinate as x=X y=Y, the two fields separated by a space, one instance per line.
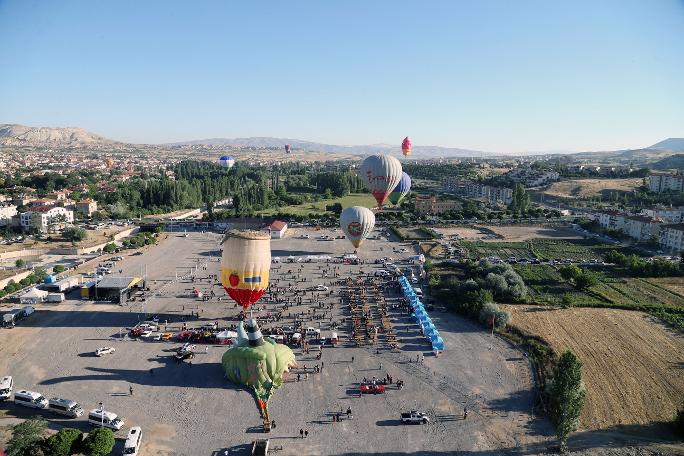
x=546 y=286
x=543 y=249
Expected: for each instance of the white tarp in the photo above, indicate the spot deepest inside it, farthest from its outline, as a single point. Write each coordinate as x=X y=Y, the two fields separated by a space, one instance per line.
x=33 y=296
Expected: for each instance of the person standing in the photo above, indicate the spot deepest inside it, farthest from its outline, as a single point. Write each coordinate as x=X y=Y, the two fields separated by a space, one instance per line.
x=130 y=390
x=301 y=433
x=306 y=434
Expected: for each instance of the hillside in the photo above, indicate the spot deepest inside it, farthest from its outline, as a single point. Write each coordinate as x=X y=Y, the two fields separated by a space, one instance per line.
x=675 y=144
x=20 y=135
x=675 y=162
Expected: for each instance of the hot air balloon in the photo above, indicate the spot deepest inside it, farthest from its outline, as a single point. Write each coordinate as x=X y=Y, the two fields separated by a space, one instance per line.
x=401 y=190
x=109 y=163
x=380 y=174
x=406 y=146
x=227 y=161
x=357 y=223
x=245 y=265
x=287 y=148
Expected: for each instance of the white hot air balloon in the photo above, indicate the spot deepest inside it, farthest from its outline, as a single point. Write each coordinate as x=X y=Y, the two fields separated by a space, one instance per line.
x=227 y=161
x=357 y=223
x=380 y=174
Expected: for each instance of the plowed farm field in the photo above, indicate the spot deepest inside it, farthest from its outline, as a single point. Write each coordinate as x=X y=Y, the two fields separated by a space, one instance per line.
x=633 y=365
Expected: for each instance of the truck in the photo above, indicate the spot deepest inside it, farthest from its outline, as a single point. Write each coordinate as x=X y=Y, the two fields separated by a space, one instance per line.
x=415 y=417
x=64 y=285
x=12 y=317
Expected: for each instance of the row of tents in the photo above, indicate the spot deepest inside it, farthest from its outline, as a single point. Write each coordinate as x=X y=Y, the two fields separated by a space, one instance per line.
x=421 y=316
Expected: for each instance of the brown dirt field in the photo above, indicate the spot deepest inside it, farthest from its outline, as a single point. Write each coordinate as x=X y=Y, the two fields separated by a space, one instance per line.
x=582 y=188
x=94 y=237
x=525 y=233
x=633 y=365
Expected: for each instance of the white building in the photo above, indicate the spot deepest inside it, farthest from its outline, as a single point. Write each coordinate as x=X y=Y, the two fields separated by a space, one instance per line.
x=666 y=214
x=612 y=220
x=46 y=218
x=642 y=228
x=7 y=211
x=277 y=229
x=666 y=182
x=672 y=238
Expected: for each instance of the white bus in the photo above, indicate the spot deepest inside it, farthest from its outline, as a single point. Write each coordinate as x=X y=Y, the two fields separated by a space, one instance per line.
x=30 y=399
x=133 y=441
x=6 y=385
x=97 y=417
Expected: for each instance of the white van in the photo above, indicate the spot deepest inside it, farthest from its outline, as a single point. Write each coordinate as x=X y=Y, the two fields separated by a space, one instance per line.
x=133 y=441
x=6 y=385
x=65 y=407
x=30 y=399
x=97 y=417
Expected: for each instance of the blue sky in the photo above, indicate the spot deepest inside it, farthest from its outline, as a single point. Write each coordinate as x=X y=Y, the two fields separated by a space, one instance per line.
x=488 y=75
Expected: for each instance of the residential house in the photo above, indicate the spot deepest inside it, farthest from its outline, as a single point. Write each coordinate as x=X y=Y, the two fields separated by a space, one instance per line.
x=7 y=211
x=277 y=229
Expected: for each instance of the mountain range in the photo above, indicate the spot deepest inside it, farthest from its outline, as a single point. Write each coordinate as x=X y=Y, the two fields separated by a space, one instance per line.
x=72 y=137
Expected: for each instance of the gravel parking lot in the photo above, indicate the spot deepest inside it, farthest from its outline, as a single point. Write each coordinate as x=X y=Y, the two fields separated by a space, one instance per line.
x=190 y=409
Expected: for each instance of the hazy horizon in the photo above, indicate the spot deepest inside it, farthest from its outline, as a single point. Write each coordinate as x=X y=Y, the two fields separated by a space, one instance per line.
x=495 y=76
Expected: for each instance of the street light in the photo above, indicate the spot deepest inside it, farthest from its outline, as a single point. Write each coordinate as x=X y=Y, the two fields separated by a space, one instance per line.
x=101 y=414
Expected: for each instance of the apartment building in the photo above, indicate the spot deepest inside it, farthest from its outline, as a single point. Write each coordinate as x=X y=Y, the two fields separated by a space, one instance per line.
x=87 y=207
x=7 y=211
x=469 y=189
x=672 y=238
x=666 y=214
x=46 y=218
x=664 y=182
x=642 y=229
x=612 y=220
x=432 y=206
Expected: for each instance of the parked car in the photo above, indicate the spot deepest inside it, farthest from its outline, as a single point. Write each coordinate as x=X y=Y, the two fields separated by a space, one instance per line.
x=415 y=417
x=104 y=351
x=369 y=388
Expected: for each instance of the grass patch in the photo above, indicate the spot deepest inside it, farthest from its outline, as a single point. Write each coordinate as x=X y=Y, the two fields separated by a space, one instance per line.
x=543 y=249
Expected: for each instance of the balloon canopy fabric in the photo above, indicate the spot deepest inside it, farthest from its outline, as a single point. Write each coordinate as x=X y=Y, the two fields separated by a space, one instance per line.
x=288 y=149
x=245 y=265
x=380 y=174
x=227 y=161
x=258 y=362
x=357 y=222
x=109 y=163
x=406 y=146
x=401 y=190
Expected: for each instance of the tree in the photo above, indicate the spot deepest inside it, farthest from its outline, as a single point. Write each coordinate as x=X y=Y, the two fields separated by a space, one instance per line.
x=585 y=280
x=99 y=442
x=567 y=397
x=25 y=436
x=20 y=263
x=109 y=248
x=74 y=234
x=58 y=268
x=65 y=443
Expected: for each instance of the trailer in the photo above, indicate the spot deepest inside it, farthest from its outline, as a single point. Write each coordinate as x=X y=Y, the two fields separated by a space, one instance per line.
x=12 y=317
x=55 y=297
x=64 y=285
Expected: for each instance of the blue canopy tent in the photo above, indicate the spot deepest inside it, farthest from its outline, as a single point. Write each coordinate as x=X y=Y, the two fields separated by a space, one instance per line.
x=437 y=343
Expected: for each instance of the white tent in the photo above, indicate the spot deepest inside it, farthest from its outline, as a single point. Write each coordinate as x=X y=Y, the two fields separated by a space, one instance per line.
x=225 y=336
x=33 y=296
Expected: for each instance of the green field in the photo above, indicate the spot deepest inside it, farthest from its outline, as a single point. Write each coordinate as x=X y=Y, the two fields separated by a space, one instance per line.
x=354 y=199
x=546 y=286
x=543 y=249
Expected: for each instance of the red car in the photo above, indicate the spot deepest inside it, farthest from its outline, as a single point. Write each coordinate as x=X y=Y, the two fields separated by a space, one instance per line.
x=369 y=388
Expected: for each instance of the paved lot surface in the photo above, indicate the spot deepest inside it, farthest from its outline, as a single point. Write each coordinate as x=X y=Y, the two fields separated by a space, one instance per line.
x=190 y=409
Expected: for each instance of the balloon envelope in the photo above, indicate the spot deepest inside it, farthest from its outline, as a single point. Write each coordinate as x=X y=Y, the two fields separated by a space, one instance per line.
x=288 y=149
x=401 y=190
x=245 y=265
x=227 y=161
x=109 y=163
x=357 y=223
x=406 y=146
x=380 y=174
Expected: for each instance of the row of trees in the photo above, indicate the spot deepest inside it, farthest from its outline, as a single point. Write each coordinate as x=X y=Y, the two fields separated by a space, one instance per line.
x=581 y=279
x=643 y=267
x=28 y=439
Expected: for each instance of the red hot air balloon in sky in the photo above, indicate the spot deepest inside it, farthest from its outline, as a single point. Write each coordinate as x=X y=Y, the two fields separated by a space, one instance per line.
x=406 y=146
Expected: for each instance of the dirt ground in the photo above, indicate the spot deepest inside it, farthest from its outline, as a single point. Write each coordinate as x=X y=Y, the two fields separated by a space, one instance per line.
x=94 y=237
x=463 y=232
x=525 y=233
x=632 y=364
x=584 y=188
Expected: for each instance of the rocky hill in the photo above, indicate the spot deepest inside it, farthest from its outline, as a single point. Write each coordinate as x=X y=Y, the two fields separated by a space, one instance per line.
x=21 y=135
x=675 y=144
